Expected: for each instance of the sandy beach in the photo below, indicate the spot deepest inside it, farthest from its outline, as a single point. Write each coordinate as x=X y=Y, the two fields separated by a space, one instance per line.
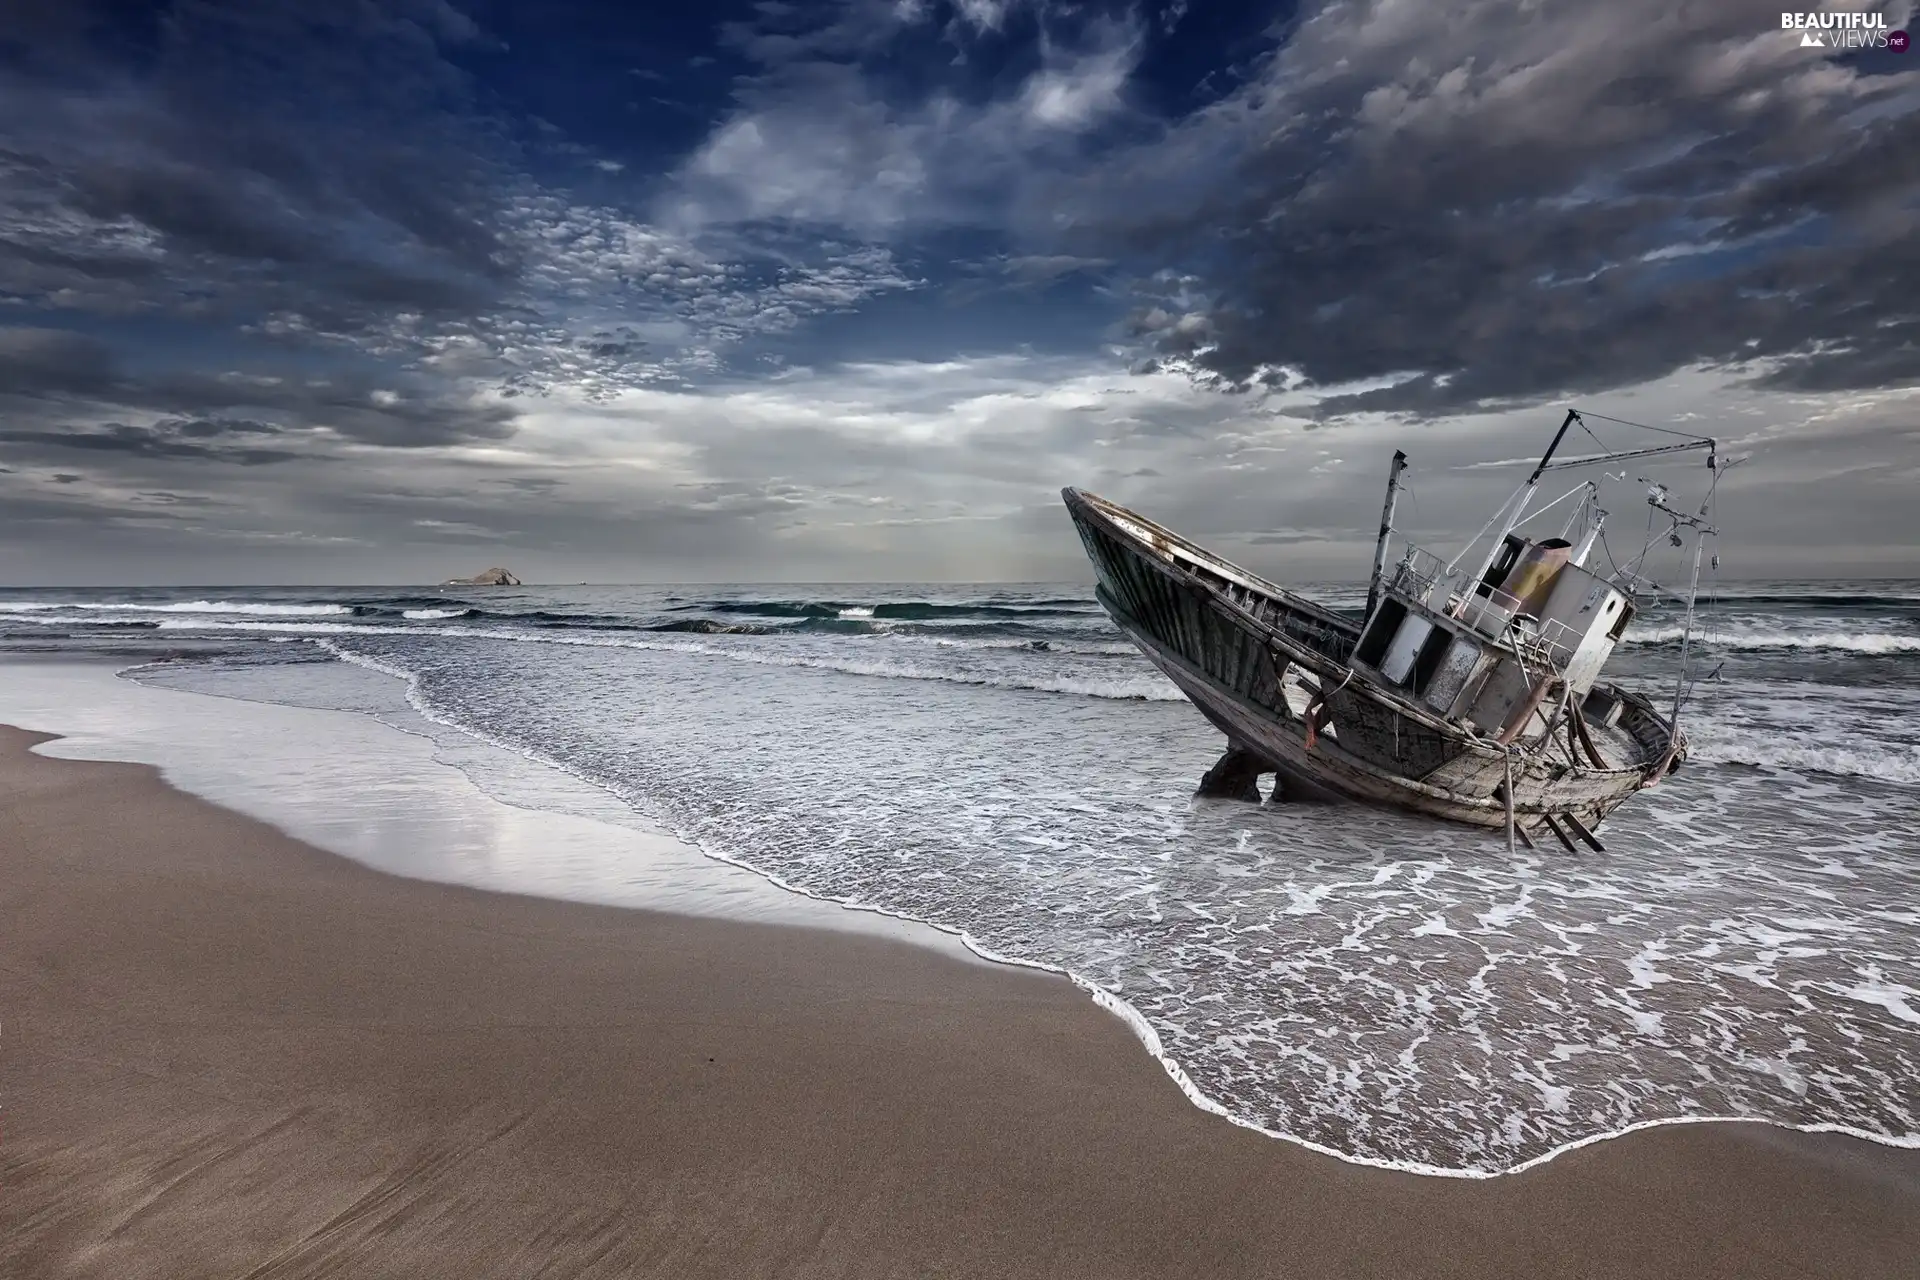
x=223 y=1052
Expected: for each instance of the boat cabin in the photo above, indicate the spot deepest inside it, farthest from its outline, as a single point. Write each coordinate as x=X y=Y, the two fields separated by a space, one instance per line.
x=1502 y=653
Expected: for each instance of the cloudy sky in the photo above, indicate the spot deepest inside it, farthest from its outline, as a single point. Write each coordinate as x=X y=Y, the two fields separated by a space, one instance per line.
x=383 y=290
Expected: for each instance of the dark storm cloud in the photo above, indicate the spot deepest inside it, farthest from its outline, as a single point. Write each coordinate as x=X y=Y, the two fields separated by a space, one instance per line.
x=351 y=407
x=145 y=442
x=63 y=382
x=165 y=498
x=337 y=183
x=1511 y=205
x=206 y=428
x=52 y=362
x=538 y=485
x=269 y=156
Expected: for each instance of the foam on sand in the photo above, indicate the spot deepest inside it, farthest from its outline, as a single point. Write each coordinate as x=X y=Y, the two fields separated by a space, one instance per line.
x=398 y=799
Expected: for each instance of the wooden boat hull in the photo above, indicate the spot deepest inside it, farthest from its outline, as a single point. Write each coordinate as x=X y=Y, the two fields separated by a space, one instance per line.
x=1270 y=670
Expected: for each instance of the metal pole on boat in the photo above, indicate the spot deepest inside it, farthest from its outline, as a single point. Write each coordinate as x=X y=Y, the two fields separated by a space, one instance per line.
x=1386 y=527
x=1686 y=632
x=1517 y=505
x=1507 y=788
x=1572 y=417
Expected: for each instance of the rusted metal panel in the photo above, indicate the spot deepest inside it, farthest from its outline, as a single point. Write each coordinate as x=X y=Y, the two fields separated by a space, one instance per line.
x=1462 y=662
x=1508 y=690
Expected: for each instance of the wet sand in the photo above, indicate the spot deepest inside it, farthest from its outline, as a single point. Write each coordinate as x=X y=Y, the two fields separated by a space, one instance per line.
x=226 y=1053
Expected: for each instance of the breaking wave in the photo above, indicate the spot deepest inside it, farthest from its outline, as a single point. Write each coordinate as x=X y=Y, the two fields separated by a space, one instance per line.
x=244 y=607
x=1830 y=751
x=1141 y=687
x=1147 y=687
x=1819 y=599
x=713 y=627
x=898 y=611
x=91 y=624
x=1870 y=642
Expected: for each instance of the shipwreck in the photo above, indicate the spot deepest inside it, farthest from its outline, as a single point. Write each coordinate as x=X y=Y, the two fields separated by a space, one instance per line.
x=1469 y=690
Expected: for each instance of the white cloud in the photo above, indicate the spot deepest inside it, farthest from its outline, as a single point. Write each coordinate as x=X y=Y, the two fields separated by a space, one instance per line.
x=817 y=141
x=1083 y=91
x=984 y=15
x=900 y=470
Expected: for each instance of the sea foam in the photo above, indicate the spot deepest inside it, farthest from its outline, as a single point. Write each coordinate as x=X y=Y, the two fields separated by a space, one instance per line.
x=1436 y=1006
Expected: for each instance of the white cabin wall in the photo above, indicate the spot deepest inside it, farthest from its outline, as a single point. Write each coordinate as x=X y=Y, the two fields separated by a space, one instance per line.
x=1591 y=608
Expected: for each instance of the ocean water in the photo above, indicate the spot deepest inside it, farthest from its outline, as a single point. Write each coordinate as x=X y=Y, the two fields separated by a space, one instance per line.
x=1000 y=762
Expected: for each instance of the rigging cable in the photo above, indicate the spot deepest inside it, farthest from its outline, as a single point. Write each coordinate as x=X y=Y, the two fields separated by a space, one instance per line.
x=1713 y=586
x=1640 y=561
x=1706 y=631
x=1589 y=430
x=1702 y=530
x=1665 y=431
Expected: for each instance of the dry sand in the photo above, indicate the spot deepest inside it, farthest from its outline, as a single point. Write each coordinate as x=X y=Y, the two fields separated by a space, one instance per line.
x=225 y=1053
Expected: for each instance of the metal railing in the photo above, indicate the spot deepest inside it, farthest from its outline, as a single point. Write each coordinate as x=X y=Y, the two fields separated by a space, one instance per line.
x=1422 y=577
x=1419 y=575
x=1490 y=614
x=1549 y=644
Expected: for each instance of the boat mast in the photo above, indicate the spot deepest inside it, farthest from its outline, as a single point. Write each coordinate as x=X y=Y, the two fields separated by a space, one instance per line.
x=1702 y=530
x=1572 y=417
x=1386 y=527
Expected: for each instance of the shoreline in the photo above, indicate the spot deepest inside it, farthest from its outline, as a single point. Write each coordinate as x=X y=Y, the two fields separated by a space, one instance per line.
x=791 y=906
x=780 y=902
x=236 y=1047
x=363 y=783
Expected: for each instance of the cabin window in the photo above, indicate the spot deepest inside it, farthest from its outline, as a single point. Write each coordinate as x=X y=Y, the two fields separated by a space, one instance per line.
x=1428 y=662
x=1502 y=565
x=1386 y=621
x=1619 y=626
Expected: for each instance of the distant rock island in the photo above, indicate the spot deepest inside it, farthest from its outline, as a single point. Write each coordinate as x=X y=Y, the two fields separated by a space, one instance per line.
x=490 y=578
